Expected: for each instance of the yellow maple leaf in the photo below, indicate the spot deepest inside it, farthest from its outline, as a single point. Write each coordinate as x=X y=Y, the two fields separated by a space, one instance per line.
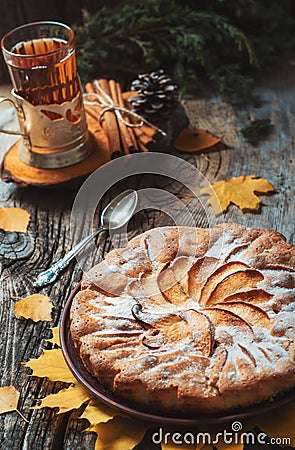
x=66 y=399
x=36 y=307
x=97 y=412
x=9 y=397
x=14 y=219
x=119 y=433
x=55 y=336
x=237 y=190
x=51 y=364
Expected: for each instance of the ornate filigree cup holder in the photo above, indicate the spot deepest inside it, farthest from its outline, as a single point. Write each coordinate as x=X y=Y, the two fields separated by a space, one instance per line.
x=54 y=136
x=47 y=95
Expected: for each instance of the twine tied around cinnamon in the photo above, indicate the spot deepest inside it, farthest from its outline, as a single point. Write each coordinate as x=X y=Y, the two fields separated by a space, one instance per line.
x=105 y=102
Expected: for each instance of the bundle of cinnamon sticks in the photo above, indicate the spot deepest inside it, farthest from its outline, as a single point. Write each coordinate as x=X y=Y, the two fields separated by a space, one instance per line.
x=122 y=138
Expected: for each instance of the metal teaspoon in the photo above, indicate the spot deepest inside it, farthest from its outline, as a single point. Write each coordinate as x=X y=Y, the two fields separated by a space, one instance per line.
x=116 y=214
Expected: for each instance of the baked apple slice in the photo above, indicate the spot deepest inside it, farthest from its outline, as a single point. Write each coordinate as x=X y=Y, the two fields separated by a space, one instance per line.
x=219 y=361
x=146 y=290
x=252 y=314
x=220 y=317
x=145 y=286
x=170 y=287
x=180 y=268
x=198 y=274
x=254 y=296
x=202 y=330
x=248 y=354
x=162 y=244
x=169 y=329
x=240 y=281
x=106 y=279
x=149 y=318
x=188 y=326
x=217 y=277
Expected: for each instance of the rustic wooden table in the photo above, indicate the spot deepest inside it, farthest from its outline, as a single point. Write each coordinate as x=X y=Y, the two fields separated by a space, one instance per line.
x=49 y=239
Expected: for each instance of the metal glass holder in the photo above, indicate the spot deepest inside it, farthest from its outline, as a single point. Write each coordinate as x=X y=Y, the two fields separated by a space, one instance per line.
x=53 y=136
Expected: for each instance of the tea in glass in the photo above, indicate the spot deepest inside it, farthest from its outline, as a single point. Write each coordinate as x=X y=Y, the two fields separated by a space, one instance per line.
x=42 y=65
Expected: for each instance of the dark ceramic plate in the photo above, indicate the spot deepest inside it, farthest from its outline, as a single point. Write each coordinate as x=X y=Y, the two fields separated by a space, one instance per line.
x=99 y=391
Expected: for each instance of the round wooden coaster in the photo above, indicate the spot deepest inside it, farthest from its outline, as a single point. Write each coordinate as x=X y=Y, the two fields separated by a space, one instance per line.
x=13 y=169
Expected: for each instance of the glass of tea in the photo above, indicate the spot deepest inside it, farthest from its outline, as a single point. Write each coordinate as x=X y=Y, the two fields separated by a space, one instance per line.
x=46 y=93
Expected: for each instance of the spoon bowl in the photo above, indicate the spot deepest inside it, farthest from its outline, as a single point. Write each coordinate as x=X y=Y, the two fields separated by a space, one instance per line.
x=120 y=210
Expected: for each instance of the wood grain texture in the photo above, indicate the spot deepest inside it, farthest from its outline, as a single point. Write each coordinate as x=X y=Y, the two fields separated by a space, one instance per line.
x=49 y=239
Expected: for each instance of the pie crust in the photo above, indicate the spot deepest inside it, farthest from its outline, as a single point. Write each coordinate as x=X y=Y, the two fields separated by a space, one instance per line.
x=191 y=320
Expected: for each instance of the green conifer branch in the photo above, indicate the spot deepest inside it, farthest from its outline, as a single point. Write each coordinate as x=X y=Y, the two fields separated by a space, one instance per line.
x=190 y=42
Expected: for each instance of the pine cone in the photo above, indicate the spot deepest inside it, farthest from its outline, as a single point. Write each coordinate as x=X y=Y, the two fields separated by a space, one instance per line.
x=156 y=94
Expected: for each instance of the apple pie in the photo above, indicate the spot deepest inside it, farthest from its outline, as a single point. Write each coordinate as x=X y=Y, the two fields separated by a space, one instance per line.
x=191 y=320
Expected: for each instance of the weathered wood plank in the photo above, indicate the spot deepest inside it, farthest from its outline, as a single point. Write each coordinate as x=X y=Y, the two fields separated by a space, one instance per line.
x=272 y=158
x=50 y=238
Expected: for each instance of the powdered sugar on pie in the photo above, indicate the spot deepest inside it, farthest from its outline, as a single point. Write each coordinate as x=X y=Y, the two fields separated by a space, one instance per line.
x=187 y=320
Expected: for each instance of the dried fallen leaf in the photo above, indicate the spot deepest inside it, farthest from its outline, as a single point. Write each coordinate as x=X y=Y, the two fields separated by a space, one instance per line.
x=36 y=307
x=190 y=140
x=118 y=433
x=14 y=219
x=9 y=397
x=66 y=399
x=97 y=413
x=237 y=190
x=51 y=364
x=55 y=336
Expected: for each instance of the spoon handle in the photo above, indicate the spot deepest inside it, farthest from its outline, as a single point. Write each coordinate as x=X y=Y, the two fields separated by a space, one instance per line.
x=52 y=273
